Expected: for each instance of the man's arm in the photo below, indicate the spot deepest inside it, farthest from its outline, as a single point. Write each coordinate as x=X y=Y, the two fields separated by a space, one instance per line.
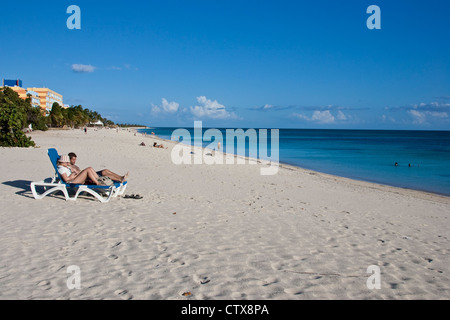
x=75 y=169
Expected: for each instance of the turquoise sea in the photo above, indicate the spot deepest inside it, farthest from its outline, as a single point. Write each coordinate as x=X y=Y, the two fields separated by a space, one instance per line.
x=422 y=157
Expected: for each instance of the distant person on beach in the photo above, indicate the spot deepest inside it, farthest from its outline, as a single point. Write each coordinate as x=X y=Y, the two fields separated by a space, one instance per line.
x=155 y=145
x=218 y=146
x=85 y=130
x=75 y=177
x=104 y=173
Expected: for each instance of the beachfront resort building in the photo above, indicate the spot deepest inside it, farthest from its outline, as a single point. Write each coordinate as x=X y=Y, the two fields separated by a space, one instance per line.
x=24 y=93
x=48 y=97
x=40 y=97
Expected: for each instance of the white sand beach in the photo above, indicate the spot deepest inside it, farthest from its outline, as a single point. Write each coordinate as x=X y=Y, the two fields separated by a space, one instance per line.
x=213 y=231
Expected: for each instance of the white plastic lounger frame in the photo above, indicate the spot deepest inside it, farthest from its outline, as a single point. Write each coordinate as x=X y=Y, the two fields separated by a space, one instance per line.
x=57 y=184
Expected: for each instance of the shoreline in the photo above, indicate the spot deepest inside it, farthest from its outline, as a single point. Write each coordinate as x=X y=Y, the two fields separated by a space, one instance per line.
x=421 y=193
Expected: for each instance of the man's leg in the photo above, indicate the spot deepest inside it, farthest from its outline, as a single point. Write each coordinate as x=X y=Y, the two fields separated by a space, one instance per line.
x=114 y=176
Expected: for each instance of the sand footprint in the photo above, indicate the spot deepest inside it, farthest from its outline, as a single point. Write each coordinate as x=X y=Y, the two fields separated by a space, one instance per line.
x=137 y=229
x=293 y=291
x=124 y=294
x=116 y=245
x=44 y=284
x=171 y=259
x=268 y=281
x=201 y=279
x=238 y=295
x=277 y=265
x=162 y=248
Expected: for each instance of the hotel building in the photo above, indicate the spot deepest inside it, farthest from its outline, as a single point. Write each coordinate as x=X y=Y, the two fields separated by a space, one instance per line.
x=24 y=93
x=40 y=97
x=48 y=97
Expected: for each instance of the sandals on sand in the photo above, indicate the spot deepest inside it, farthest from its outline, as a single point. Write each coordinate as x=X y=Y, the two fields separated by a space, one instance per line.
x=132 y=196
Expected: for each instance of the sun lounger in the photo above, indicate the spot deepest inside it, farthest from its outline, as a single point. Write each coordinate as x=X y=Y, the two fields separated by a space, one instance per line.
x=102 y=193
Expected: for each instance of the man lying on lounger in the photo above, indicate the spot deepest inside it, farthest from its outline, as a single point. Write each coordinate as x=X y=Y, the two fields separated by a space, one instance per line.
x=104 y=173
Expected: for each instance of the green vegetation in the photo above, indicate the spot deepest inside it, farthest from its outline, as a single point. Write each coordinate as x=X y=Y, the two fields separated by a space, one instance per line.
x=75 y=117
x=17 y=114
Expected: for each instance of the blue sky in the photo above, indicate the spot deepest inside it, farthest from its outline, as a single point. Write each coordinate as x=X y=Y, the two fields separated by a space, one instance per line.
x=274 y=64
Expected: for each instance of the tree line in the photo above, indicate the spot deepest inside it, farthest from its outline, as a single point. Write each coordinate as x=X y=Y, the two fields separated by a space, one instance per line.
x=74 y=117
x=17 y=114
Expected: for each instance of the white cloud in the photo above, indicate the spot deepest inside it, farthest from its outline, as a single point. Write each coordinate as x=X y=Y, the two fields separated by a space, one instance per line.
x=169 y=106
x=424 y=114
x=323 y=117
x=301 y=116
x=267 y=106
x=386 y=119
x=124 y=67
x=166 y=106
x=421 y=117
x=432 y=106
x=211 y=109
x=83 y=68
x=438 y=114
x=341 y=116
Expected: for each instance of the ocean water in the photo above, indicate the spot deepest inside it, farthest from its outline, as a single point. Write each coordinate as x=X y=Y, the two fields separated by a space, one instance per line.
x=423 y=157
